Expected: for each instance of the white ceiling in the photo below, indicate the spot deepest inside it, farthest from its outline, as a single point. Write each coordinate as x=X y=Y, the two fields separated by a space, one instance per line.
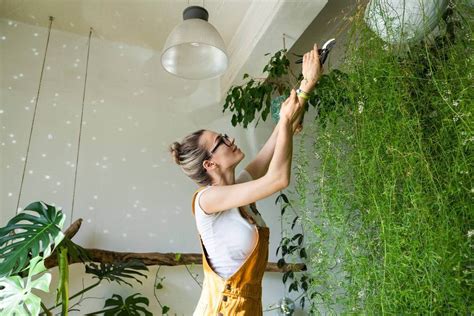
x=144 y=23
x=250 y=28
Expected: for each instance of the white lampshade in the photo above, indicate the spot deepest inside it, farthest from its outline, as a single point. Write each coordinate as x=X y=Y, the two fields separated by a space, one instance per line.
x=403 y=21
x=194 y=49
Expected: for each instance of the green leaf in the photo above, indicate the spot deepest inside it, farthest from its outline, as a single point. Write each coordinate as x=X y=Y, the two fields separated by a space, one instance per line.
x=131 y=306
x=282 y=196
x=299 y=237
x=38 y=236
x=285 y=276
x=304 y=285
x=281 y=263
x=292 y=249
x=302 y=301
x=303 y=253
x=165 y=309
x=116 y=271
x=16 y=297
x=293 y=286
x=294 y=222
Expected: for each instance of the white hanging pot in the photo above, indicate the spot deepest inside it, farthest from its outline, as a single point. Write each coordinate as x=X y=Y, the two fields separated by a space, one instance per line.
x=403 y=21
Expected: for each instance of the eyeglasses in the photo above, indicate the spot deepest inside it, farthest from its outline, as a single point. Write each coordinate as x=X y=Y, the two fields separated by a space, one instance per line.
x=222 y=139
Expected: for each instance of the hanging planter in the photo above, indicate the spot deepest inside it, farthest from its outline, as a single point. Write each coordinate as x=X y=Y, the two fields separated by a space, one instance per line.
x=403 y=21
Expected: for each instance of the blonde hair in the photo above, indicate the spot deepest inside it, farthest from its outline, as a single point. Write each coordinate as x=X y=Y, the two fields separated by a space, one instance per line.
x=189 y=154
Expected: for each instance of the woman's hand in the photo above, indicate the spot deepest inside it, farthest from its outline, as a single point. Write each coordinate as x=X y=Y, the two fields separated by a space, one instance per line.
x=311 y=69
x=291 y=109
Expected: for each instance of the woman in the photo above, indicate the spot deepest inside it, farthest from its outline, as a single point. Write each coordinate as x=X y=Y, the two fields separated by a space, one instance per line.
x=234 y=238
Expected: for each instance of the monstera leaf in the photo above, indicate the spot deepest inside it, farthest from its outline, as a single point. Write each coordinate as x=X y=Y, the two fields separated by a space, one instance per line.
x=35 y=238
x=117 y=271
x=16 y=297
x=129 y=307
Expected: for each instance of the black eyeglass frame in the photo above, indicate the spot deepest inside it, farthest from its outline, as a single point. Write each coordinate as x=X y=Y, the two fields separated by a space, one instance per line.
x=222 y=140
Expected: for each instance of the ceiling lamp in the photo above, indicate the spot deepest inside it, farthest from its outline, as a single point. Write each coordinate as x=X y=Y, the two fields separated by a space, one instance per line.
x=194 y=49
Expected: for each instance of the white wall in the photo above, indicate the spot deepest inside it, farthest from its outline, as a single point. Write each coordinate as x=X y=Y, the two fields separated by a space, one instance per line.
x=130 y=194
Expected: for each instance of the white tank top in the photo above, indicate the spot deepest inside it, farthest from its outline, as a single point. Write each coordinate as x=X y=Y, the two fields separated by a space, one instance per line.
x=227 y=236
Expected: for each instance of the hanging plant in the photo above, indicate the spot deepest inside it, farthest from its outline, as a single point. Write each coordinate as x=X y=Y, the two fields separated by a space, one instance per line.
x=255 y=96
x=259 y=97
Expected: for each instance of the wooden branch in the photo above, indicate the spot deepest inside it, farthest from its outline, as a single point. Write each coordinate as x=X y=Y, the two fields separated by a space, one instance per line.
x=152 y=258
x=72 y=230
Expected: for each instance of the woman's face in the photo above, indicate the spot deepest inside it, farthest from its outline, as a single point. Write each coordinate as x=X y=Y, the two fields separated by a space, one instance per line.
x=222 y=150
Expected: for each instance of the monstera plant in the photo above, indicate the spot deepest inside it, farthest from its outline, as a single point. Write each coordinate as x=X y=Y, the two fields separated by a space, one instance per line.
x=25 y=251
x=39 y=235
x=34 y=235
x=16 y=297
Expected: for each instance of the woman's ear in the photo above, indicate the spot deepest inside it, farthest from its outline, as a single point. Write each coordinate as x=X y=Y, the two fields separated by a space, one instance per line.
x=207 y=164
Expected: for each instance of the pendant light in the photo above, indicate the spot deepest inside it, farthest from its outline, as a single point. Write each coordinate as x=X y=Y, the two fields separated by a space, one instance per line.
x=194 y=49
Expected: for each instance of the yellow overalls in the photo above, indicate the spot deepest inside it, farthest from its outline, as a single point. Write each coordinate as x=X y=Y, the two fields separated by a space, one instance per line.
x=241 y=293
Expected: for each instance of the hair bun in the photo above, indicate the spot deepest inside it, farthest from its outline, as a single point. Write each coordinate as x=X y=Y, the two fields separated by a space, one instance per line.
x=175 y=151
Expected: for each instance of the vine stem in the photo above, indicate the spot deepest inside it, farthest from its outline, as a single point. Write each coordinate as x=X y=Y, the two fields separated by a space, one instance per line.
x=75 y=295
x=154 y=288
x=46 y=310
x=195 y=279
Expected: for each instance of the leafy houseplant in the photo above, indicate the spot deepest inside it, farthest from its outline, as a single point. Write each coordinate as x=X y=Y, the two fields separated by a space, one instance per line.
x=38 y=238
x=259 y=97
x=32 y=236
x=246 y=100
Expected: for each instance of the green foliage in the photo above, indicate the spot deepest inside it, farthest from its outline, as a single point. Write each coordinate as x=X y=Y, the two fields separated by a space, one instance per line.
x=16 y=297
x=117 y=271
x=38 y=236
x=330 y=95
x=386 y=190
x=262 y=95
x=293 y=249
x=247 y=100
x=132 y=306
x=158 y=286
x=74 y=251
